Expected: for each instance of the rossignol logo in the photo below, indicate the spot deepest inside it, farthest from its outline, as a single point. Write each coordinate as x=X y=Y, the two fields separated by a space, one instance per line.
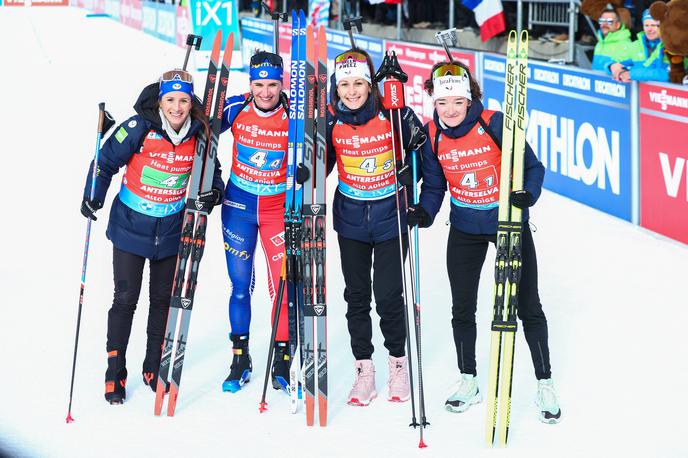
x=357 y=141
x=278 y=240
x=319 y=309
x=315 y=209
x=186 y=303
x=667 y=100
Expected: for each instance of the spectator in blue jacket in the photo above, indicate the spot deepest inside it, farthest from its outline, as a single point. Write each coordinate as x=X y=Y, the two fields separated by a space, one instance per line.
x=157 y=147
x=647 y=61
x=463 y=152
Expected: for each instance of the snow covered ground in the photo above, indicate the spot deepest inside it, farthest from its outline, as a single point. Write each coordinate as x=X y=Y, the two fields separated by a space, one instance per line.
x=614 y=295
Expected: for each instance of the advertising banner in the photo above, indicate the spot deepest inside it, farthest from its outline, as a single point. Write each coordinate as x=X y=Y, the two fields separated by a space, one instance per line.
x=166 y=22
x=664 y=159
x=183 y=25
x=35 y=3
x=209 y=16
x=112 y=9
x=255 y=34
x=149 y=18
x=579 y=125
x=131 y=13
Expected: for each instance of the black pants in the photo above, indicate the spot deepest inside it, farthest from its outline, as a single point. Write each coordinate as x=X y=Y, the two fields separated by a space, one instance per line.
x=128 y=273
x=465 y=258
x=357 y=260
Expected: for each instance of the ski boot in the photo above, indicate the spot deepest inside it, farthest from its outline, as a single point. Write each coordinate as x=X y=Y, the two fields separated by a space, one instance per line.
x=398 y=385
x=115 y=378
x=363 y=390
x=151 y=366
x=280 y=367
x=241 y=368
x=465 y=394
x=546 y=400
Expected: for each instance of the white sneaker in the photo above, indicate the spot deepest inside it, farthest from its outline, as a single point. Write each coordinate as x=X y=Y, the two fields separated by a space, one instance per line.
x=465 y=394
x=546 y=400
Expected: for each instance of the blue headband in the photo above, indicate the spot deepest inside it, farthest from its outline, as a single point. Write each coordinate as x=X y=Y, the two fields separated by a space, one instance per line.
x=265 y=71
x=647 y=15
x=175 y=85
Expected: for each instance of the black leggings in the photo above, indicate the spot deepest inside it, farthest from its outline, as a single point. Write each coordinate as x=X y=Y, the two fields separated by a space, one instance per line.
x=357 y=260
x=465 y=258
x=128 y=273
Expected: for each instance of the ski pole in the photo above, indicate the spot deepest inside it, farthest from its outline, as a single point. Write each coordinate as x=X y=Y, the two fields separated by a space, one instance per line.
x=446 y=38
x=357 y=22
x=101 y=121
x=273 y=334
x=192 y=41
x=275 y=16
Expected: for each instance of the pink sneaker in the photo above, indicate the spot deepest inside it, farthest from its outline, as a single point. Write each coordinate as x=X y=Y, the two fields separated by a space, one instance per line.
x=363 y=390
x=398 y=384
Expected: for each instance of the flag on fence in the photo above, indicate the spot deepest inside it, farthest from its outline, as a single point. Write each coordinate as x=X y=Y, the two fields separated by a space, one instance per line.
x=489 y=15
x=319 y=13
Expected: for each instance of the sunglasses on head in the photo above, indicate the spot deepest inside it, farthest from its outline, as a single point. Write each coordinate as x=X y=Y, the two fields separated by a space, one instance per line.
x=177 y=75
x=356 y=56
x=608 y=21
x=449 y=69
x=266 y=57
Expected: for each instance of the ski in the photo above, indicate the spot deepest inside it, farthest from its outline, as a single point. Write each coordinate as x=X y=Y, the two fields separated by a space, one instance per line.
x=307 y=232
x=319 y=212
x=193 y=234
x=508 y=243
x=294 y=199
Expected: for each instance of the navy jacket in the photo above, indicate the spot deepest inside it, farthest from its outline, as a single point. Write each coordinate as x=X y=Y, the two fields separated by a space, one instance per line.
x=434 y=185
x=129 y=230
x=370 y=221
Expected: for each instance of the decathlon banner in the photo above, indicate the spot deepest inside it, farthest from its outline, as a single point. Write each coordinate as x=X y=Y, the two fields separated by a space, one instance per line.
x=207 y=17
x=579 y=125
x=417 y=61
x=664 y=159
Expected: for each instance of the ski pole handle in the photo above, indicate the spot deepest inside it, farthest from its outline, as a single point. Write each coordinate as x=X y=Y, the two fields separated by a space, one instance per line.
x=192 y=41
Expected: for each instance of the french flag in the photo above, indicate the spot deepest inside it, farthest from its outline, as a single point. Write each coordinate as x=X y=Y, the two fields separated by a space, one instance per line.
x=489 y=15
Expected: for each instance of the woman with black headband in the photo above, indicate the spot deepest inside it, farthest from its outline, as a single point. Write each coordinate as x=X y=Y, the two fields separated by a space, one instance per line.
x=365 y=219
x=463 y=151
x=157 y=147
x=253 y=206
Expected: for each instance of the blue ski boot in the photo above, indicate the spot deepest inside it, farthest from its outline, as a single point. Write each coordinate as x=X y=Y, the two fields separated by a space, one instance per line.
x=240 y=370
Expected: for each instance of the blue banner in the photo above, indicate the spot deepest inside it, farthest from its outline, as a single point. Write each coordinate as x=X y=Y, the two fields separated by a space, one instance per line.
x=579 y=127
x=150 y=17
x=255 y=34
x=209 y=16
x=166 y=24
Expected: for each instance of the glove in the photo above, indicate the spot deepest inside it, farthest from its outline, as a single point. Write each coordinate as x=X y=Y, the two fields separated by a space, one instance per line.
x=521 y=199
x=302 y=173
x=417 y=138
x=108 y=122
x=89 y=208
x=404 y=174
x=212 y=198
x=417 y=216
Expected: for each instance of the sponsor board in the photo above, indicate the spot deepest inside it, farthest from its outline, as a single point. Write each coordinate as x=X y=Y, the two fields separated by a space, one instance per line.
x=417 y=61
x=664 y=160
x=209 y=16
x=166 y=22
x=579 y=125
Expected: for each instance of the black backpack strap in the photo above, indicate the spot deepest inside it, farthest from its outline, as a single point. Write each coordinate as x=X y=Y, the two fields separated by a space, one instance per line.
x=484 y=125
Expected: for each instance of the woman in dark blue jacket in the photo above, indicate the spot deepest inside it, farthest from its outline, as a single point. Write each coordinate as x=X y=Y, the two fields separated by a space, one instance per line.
x=463 y=153
x=157 y=147
x=365 y=219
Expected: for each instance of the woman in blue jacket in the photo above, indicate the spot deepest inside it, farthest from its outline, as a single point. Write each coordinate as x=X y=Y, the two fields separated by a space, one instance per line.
x=463 y=153
x=157 y=147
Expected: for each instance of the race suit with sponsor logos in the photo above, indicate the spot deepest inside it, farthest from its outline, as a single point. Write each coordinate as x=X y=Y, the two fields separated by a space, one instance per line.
x=253 y=205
